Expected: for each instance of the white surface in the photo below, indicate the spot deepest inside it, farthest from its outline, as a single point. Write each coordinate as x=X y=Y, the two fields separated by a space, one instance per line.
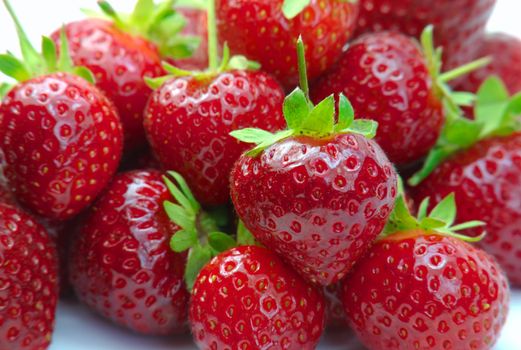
x=79 y=329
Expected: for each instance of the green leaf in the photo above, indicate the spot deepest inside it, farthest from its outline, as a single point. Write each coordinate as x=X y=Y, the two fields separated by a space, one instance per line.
x=239 y=62
x=445 y=210
x=156 y=83
x=220 y=241
x=467 y=225
x=252 y=135
x=279 y=136
x=365 y=127
x=183 y=240
x=464 y=98
x=296 y=108
x=14 y=68
x=198 y=257
x=64 y=61
x=435 y=158
x=429 y=223
x=49 y=53
x=422 y=210
x=176 y=72
x=244 y=236
x=291 y=8
x=143 y=11
x=179 y=196
x=462 y=132
x=84 y=73
x=198 y=4
x=179 y=215
x=492 y=102
x=346 y=113
x=320 y=121
x=400 y=218
x=183 y=185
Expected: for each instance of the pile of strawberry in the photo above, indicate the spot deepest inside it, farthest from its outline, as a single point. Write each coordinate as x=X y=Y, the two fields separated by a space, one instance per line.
x=174 y=190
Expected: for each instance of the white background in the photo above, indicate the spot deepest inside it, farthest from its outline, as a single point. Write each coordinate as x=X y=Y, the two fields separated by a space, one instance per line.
x=77 y=328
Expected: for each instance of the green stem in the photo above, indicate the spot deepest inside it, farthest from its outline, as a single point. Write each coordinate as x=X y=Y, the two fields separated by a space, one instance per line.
x=213 y=51
x=465 y=69
x=302 y=67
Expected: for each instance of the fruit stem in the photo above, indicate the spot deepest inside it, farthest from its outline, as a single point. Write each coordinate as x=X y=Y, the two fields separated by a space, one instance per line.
x=213 y=51
x=302 y=67
x=465 y=69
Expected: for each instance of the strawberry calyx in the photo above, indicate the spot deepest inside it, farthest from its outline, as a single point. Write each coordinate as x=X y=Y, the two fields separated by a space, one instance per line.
x=435 y=64
x=4 y=89
x=292 y=8
x=440 y=220
x=36 y=64
x=496 y=114
x=216 y=64
x=199 y=233
x=303 y=118
x=158 y=22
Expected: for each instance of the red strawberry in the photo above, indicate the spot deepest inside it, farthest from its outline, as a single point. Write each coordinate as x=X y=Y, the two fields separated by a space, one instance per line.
x=60 y=136
x=29 y=281
x=505 y=51
x=189 y=117
x=390 y=80
x=424 y=287
x=459 y=24
x=318 y=193
x=246 y=298
x=122 y=266
x=480 y=161
x=267 y=31
x=125 y=49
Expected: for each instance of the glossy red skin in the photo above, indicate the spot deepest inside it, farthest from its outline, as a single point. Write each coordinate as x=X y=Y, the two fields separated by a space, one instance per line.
x=318 y=203
x=425 y=291
x=29 y=280
x=196 y=25
x=247 y=298
x=259 y=30
x=505 y=51
x=386 y=78
x=458 y=24
x=122 y=266
x=62 y=142
x=486 y=180
x=119 y=62
x=188 y=124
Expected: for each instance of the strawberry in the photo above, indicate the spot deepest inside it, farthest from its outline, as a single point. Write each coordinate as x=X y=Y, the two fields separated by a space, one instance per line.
x=390 y=80
x=480 y=161
x=267 y=31
x=61 y=137
x=267 y=305
x=317 y=193
x=459 y=24
x=29 y=280
x=425 y=288
x=121 y=264
x=124 y=49
x=505 y=51
x=189 y=117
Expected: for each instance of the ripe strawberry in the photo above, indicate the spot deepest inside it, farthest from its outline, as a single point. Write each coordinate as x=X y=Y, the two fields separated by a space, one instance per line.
x=505 y=51
x=267 y=31
x=122 y=51
x=189 y=117
x=318 y=193
x=121 y=264
x=61 y=137
x=267 y=305
x=483 y=169
x=29 y=281
x=425 y=288
x=389 y=79
x=459 y=24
